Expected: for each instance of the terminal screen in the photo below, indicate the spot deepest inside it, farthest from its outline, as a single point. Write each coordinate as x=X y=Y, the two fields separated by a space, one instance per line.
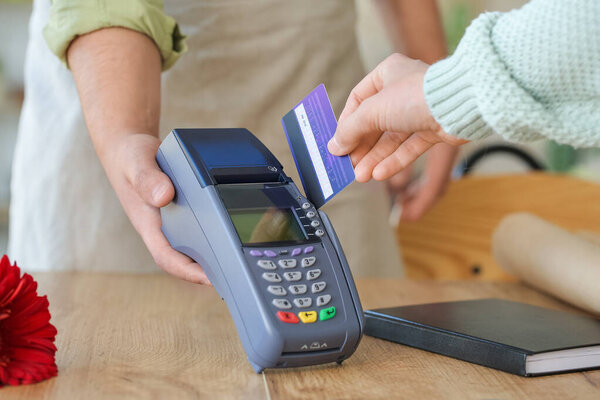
x=266 y=225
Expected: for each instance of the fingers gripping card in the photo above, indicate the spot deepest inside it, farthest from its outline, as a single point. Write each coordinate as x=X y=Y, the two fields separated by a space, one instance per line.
x=309 y=126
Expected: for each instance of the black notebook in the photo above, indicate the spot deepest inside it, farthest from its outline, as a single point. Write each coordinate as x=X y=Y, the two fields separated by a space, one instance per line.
x=513 y=337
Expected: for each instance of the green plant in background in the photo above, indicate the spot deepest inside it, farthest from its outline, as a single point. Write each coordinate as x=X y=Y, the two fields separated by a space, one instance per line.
x=456 y=20
x=561 y=157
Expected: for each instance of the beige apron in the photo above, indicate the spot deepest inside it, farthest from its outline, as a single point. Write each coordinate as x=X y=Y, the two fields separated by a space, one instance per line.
x=249 y=62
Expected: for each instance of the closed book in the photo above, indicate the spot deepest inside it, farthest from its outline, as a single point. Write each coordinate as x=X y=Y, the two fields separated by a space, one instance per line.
x=514 y=337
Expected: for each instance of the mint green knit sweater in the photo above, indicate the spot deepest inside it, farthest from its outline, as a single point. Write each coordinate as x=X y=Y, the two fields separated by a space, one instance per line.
x=527 y=74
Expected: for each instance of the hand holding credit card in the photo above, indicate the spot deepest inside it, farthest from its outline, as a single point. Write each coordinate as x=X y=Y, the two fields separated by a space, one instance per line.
x=309 y=126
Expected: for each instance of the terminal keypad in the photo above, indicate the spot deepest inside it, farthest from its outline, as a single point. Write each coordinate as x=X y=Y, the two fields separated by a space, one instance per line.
x=305 y=298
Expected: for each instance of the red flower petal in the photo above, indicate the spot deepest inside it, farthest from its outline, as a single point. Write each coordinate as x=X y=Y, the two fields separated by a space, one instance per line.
x=26 y=336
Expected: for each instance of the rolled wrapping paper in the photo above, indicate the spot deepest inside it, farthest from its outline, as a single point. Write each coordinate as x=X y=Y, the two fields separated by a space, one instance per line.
x=594 y=237
x=550 y=258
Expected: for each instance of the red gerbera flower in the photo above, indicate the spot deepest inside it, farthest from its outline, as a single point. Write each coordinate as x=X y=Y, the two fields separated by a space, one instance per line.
x=26 y=335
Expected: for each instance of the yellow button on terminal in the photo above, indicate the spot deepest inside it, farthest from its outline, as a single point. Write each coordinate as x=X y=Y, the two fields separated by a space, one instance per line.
x=308 y=316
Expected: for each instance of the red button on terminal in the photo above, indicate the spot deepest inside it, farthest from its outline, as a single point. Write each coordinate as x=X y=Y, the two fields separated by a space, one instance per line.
x=288 y=317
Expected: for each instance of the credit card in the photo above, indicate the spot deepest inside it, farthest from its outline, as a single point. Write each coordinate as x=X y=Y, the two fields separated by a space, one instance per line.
x=308 y=127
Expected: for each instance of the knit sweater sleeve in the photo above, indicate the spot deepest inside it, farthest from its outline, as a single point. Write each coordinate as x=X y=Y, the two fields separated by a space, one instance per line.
x=527 y=74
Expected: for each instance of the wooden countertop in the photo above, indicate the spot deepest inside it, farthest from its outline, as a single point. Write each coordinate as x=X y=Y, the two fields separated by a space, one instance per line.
x=152 y=336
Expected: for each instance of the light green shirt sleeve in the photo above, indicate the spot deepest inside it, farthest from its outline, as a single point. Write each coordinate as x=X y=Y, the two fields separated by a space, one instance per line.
x=528 y=74
x=71 y=18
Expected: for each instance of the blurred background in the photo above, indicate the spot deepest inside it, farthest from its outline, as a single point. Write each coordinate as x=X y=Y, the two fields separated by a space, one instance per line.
x=375 y=46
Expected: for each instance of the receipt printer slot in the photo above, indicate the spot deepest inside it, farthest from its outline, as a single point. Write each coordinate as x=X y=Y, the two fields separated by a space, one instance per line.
x=262 y=174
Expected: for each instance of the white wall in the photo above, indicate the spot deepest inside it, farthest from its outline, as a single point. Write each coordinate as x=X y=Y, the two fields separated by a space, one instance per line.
x=14 y=19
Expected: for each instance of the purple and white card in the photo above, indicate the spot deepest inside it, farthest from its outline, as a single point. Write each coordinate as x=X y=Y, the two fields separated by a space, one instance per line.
x=309 y=126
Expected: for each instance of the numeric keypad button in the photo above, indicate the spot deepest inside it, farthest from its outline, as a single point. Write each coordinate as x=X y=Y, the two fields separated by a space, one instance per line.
x=323 y=300
x=277 y=290
x=287 y=263
x=318 y=287
x=282 y=304
x=313 y=274
x=292 y=276
x=271 y=277
x=308 y=261
x=303 y=302
x=297 y=289
x=266 y=264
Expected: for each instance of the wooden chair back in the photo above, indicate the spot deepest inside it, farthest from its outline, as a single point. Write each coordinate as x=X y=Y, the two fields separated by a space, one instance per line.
x=453 y=241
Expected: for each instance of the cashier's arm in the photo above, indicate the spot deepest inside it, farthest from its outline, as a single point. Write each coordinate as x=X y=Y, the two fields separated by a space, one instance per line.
x=117 y=72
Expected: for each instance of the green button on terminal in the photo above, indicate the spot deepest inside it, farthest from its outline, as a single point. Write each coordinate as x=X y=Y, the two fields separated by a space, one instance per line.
x=327 y=313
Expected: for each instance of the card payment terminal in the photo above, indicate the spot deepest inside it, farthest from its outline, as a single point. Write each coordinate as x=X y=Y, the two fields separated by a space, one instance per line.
x=273 y=258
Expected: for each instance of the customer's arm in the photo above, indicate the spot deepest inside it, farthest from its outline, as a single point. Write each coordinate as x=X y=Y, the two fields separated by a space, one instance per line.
x=415 y=28
x=528 y=74
x=117 y=72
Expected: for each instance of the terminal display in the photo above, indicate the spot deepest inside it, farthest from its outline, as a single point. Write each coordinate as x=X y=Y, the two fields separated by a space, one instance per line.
x=266 y=225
